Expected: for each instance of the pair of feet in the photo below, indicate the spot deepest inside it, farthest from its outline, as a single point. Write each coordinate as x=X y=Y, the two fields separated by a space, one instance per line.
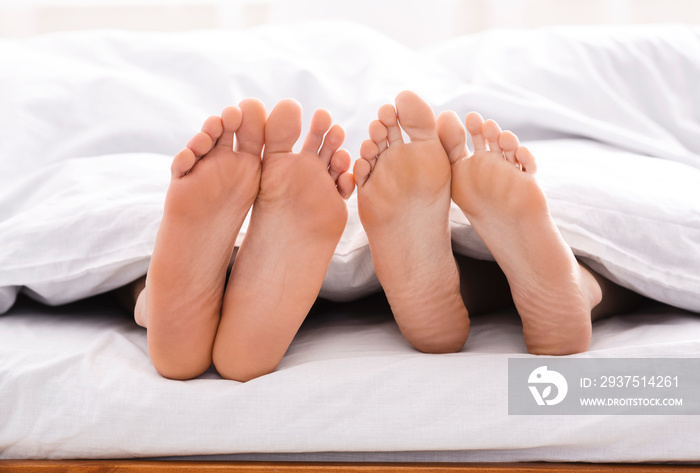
x=298 y=215
x=404 y=195
x=240 y=160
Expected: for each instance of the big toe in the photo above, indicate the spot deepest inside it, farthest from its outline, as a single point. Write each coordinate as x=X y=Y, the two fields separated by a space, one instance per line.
x=415 y=116
x=283 y=127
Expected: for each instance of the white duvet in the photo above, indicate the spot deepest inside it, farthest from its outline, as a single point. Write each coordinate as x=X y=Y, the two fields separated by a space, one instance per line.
x=90 y=122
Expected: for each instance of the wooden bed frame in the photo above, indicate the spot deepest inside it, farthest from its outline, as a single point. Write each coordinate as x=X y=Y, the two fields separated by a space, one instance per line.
x=134 y=466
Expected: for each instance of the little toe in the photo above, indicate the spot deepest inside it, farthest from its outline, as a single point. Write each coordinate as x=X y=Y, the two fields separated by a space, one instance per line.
x=474 y=122
x=283 y=127
x=339 y=163
x=230 y=121
x=491 y=131
x=182 y=163
x=369 y=152
x=379 y=134
x=526 y=160
x=320 y=123
x=415 y=116
x=387 y=116
x=509 y=143
x=452 y=135
x=213 y=127
x=200 y=144
x=361 y=172
x=250 y=135
x=333 y=140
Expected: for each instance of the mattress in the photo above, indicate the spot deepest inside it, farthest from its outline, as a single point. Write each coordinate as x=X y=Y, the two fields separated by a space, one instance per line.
x=77 y=382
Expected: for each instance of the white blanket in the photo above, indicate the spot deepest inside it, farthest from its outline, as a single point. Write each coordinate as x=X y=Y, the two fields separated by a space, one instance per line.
x=90 y=121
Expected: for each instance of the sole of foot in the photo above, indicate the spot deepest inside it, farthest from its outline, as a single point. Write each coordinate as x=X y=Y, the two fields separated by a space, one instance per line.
x=404 y=202
x=213 y=185
x=297 y=220
x=497 y=189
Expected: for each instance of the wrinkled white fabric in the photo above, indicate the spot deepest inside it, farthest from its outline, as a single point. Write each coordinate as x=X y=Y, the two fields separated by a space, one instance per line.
x=91 y=121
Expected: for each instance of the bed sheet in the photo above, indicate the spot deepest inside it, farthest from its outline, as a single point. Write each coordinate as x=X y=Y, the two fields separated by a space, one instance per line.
x=76 y=382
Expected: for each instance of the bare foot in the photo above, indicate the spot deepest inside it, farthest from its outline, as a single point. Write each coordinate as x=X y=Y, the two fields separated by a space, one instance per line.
x=211 y=190
x=296 y=223
x=497 y=190
x=404 y=202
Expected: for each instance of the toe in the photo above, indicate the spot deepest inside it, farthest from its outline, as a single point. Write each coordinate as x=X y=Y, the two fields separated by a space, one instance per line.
x=340 y=163
x=200 y=144
x=283 y=127
x=387 y=115
x=346 y=185
x=250 y=136
x=320 y=123
x=474 y=122
x=361 y=172
x=379 y=134
x=509 y=143
x=213 y=127
x=452 y=135
x=369 y=152
x=526 y=160
x=415 y=116
x=230 y=122
x=333 y=140
x=182 y=163
x=491 y=131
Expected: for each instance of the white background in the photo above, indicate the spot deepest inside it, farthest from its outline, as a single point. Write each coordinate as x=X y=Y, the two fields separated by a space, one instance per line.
x=415 y=23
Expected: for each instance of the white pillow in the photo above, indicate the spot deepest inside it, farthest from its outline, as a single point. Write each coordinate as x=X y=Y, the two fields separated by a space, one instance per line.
x=634 y=87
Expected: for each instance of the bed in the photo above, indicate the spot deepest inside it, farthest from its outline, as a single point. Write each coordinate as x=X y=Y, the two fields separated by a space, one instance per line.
x=89 y=125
